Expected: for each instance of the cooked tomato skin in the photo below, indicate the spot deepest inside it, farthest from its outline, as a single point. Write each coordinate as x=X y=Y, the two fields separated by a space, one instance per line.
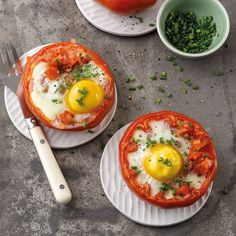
x=69 y=61
x=127 y=6
x=195 y=130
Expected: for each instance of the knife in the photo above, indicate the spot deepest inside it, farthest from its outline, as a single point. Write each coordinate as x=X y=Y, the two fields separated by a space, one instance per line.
x=53 y=172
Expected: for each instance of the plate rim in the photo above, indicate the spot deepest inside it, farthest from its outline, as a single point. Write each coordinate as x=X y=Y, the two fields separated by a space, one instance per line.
x=123 y=34
x=207 y=194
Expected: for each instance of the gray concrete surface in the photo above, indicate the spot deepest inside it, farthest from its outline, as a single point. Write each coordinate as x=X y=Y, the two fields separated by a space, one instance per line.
x=27 y=206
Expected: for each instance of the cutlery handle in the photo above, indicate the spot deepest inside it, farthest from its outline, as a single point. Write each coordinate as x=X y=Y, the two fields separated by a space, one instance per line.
x=55 y=177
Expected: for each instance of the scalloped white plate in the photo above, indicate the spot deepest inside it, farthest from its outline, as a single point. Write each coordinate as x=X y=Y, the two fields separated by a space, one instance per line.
x=134 y=25
x=57 y=139
x=124 y=200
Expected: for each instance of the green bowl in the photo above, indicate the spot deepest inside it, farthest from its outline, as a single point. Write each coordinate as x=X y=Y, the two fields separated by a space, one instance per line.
x=201 y=8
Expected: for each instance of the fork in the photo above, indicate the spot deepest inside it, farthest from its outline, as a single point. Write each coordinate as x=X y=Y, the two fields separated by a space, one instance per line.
x=11 y=75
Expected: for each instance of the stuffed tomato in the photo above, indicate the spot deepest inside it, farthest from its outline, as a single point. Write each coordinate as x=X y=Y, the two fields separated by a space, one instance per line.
x=167 y=159
x=68 y=87
x=127 y=6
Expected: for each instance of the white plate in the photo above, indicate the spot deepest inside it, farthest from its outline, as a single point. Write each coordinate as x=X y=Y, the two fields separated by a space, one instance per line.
x=112 y=23
x=124 y=200
x=57 y=139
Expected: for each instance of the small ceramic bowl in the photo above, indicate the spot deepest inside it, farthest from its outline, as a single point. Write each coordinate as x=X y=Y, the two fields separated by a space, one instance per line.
x=200 y=8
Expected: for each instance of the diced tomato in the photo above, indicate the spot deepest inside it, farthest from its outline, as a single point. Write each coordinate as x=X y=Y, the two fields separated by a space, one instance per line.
x=183 y=190
x=132 y=147
x=66 y=117
x=199 y=143
x=194 y=156
x=202 y=166
x=52 y=72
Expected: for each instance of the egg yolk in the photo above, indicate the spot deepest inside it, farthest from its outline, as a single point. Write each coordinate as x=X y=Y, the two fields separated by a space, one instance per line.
x=84 y=96
x=164 y=163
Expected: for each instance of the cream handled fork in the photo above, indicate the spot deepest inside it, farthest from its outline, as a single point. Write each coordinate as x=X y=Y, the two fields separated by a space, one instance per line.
x=55 y=177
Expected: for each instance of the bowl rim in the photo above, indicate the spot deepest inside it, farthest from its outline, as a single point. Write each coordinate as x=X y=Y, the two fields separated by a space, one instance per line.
x=193 y=55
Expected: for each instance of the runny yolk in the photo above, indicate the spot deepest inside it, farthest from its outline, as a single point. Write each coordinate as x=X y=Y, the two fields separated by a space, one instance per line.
x=164 y=163
x=84 y=96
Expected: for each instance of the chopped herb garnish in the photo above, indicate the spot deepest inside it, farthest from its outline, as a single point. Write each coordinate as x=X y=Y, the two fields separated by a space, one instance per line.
x=161 y=89
x=184 y=90
x=169 y=95
x=140 y=86
x=134 y=167
x=139 y=18
x=165 y=161
x=189 y=34
x=136 y=140
x=83 y=72
x=68 y=85
x=88 y=56
x=102 y=146
x=151 y=25
x=185 y=154
x=162 y=141
x=153 y=77
x=180 y=181
x=150 y=142
x=83 y=92
x=107 y=97
x=164 y=187
x=188 y=82
x=91 y=131
x=158 y=101
x=180 y=123
x=129 y=79
x=195 y=87
x=56 y=101
x=218 y=72
x=163 y=75
x=170 y=58
x=84 y=124
x=132 y=89
x=179 y=68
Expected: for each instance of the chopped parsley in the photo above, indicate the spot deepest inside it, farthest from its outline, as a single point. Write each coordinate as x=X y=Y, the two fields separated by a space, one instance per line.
x=180 y=181
x=132 y=89
x=184 y=90
x=68 y=85
x=136 y=140
x=158 y=101
x=165 y=161
x=153 y=77
x=107 y=97
x=140 y=86
x=165 y=187
x=130 y=79
x=136 y=168
x=163 y=75
x=83 y=92
x=218 y=72
x=161 y=89
x=150 y=142
x=91 y=131
x=84 y=124
x=56 y=101
x=83 y=72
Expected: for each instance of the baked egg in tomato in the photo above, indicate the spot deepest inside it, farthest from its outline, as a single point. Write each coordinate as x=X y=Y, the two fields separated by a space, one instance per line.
x=68 y=87
x=167 y=159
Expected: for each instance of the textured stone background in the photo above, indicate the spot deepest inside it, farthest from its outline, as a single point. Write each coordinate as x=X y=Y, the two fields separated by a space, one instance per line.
x=27 y=206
